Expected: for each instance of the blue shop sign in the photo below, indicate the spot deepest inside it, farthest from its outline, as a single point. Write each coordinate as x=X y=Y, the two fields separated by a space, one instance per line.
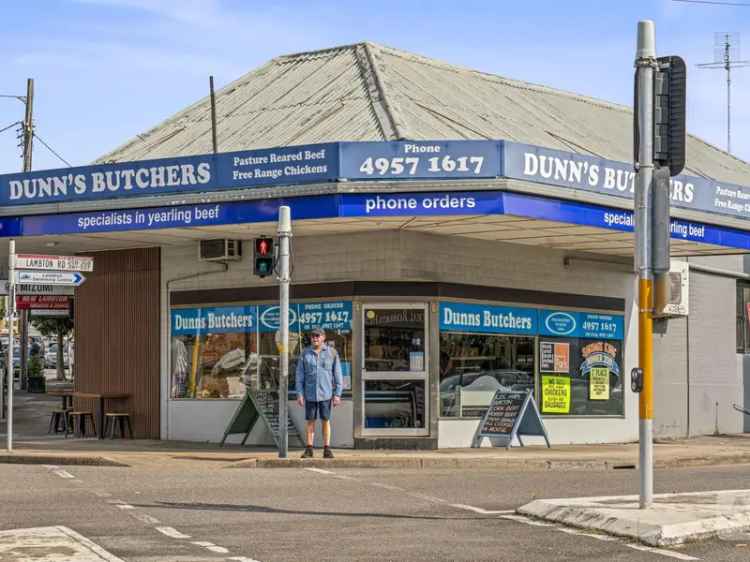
x=329 y=315
x=581 y=324
x=420 y=159
x=465 y=317
x=213 y=320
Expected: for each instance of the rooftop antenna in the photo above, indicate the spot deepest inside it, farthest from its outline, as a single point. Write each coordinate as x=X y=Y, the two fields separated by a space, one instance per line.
x=726 y=56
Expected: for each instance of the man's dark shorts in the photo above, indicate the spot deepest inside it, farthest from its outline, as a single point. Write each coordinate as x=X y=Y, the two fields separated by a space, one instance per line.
x=315 y=410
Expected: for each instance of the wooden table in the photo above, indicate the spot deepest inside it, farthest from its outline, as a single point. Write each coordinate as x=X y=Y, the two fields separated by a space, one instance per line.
x=66 y=395
x=101 y=397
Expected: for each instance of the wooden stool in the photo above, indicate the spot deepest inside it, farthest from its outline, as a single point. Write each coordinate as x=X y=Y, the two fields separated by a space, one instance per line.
x=58 y=418
x=78 y=424
x=113 y=418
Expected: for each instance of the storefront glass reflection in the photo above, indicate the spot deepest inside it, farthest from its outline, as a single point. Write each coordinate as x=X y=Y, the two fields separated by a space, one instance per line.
x=395 y=340
x=474 y=366
x=394 y=404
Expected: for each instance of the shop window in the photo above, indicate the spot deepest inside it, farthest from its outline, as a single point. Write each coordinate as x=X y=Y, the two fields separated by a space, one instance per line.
x=474 y=366
x=395 y=404
x=213 y=352
x=221 y=352
x=394 y=339
x=743 y=317
x=581 y=377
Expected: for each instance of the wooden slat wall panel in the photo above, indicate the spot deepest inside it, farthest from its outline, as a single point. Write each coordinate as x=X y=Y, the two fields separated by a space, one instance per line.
x=117 y=334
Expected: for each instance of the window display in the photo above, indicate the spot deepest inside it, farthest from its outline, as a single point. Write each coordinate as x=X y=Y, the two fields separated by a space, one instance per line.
x=395 y=339
x=220 y=352
x=474 y=366
x=581 y=376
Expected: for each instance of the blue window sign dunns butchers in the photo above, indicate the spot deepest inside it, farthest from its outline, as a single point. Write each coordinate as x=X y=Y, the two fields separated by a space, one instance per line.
x=213 y=320
x=329 y=315
x=230 y=170
x=581 y=324
x=420 y=159
x=464 y=317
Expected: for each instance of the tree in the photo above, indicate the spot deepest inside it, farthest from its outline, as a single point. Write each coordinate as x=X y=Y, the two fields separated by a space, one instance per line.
x=59 y=327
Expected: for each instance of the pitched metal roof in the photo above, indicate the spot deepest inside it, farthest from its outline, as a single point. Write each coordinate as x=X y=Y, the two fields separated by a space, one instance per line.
x=371 y=92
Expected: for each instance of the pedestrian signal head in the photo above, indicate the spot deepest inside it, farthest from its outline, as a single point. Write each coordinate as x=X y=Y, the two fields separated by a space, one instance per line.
x=263 y=256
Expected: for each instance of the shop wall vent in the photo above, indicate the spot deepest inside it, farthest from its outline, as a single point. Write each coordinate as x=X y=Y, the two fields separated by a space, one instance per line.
x=220 y=249
x=679 y=290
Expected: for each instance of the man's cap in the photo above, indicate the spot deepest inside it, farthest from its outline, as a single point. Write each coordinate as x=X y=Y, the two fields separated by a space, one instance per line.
x=318 y=331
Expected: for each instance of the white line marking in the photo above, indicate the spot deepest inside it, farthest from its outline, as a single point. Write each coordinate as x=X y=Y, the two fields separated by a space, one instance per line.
x=172 y=532
x=124 y=506
x=202 y=543
x=585 y=534
x=218 y=549
x=102 y=494
x=144 y=518
x=58 y=471
x=661 y=551
x=480 y=510
x=387 y=487
x=319 y=470
x=242 y=559
x=428 y=498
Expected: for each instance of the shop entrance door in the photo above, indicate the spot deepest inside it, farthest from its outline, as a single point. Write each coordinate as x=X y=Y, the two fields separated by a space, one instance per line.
x=394 y=369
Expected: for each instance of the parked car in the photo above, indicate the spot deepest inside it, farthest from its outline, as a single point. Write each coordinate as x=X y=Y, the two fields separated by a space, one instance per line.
x=50 y=357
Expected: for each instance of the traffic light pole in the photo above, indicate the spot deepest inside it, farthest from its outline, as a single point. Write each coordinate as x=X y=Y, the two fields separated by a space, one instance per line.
x=285 y=233
x=645 y=64
x=10 y=313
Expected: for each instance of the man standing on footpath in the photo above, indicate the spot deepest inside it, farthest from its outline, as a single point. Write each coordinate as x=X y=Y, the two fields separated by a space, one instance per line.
x=319 y=385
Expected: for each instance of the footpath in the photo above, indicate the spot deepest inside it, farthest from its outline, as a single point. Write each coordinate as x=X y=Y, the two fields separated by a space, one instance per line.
x=33 y=445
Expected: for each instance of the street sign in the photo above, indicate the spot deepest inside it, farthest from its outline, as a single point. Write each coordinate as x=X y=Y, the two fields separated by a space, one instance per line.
x=56 y=302
x=50 y=312
x=54 y=263
x=37 y=289
x=50 y=278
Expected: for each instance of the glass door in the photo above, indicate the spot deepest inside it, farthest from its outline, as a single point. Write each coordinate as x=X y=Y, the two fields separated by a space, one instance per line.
x=394 y=369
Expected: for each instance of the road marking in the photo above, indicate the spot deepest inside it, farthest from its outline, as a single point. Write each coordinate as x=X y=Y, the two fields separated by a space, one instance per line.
x=242 y=559
x=218 y=549
x=172 y=532
x=124 y=506
x=59 y=471
x=60 y=543
x=387 y=487
x=144 y=518
x=480 y=510
x=585 y=534
x=319 y=470
x=661 y=551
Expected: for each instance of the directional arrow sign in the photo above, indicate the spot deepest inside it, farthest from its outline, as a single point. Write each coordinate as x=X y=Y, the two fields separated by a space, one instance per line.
x=54 y=263
x=50 y=277
x=37 y=289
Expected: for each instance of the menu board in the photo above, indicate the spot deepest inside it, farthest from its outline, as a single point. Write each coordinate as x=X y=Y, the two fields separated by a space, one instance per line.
x=511 y=414
x=502 y=413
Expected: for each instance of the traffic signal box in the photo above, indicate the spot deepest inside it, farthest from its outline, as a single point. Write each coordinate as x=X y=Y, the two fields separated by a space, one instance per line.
x=263 y=257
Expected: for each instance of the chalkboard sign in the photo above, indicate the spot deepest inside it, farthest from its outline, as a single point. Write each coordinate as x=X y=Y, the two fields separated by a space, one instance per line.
x=511 y=414
x=264 y=405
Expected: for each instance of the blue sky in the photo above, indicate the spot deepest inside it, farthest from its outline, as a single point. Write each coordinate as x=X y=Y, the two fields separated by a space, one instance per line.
x=106 y=70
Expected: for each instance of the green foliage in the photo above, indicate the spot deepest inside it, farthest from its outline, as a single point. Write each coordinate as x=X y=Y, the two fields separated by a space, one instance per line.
x=35 y=367
x=52 y=326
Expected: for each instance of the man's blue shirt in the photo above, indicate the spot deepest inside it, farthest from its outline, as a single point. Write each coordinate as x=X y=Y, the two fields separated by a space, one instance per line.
x=319 y=374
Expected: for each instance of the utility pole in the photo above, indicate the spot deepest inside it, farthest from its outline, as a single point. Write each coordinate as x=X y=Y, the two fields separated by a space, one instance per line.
x=726 y=53
x=285 y=233
x=10 y=311
x=28 y=147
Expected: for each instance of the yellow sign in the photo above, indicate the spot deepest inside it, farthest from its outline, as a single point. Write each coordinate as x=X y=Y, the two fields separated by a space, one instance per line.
x=555 y=394
x=599 y=383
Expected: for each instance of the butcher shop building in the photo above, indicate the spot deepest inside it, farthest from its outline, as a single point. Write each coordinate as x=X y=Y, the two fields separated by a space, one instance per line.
x=455 y=233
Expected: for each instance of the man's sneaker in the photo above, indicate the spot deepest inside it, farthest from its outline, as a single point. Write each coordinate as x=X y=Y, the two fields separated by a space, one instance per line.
x=308 y=454
x=327 y=453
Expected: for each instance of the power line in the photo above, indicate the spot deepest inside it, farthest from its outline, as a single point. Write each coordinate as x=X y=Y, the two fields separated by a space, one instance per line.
x=48 y=147
x=10 y=126
x=714 y=2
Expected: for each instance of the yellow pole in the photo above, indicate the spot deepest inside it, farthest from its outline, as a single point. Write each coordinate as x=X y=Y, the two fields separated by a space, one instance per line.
x=645 y=347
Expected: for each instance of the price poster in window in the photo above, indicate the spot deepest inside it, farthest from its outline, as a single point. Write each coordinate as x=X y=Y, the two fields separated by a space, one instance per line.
x=554 y=357
x=555 y=394
x=599 y=383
